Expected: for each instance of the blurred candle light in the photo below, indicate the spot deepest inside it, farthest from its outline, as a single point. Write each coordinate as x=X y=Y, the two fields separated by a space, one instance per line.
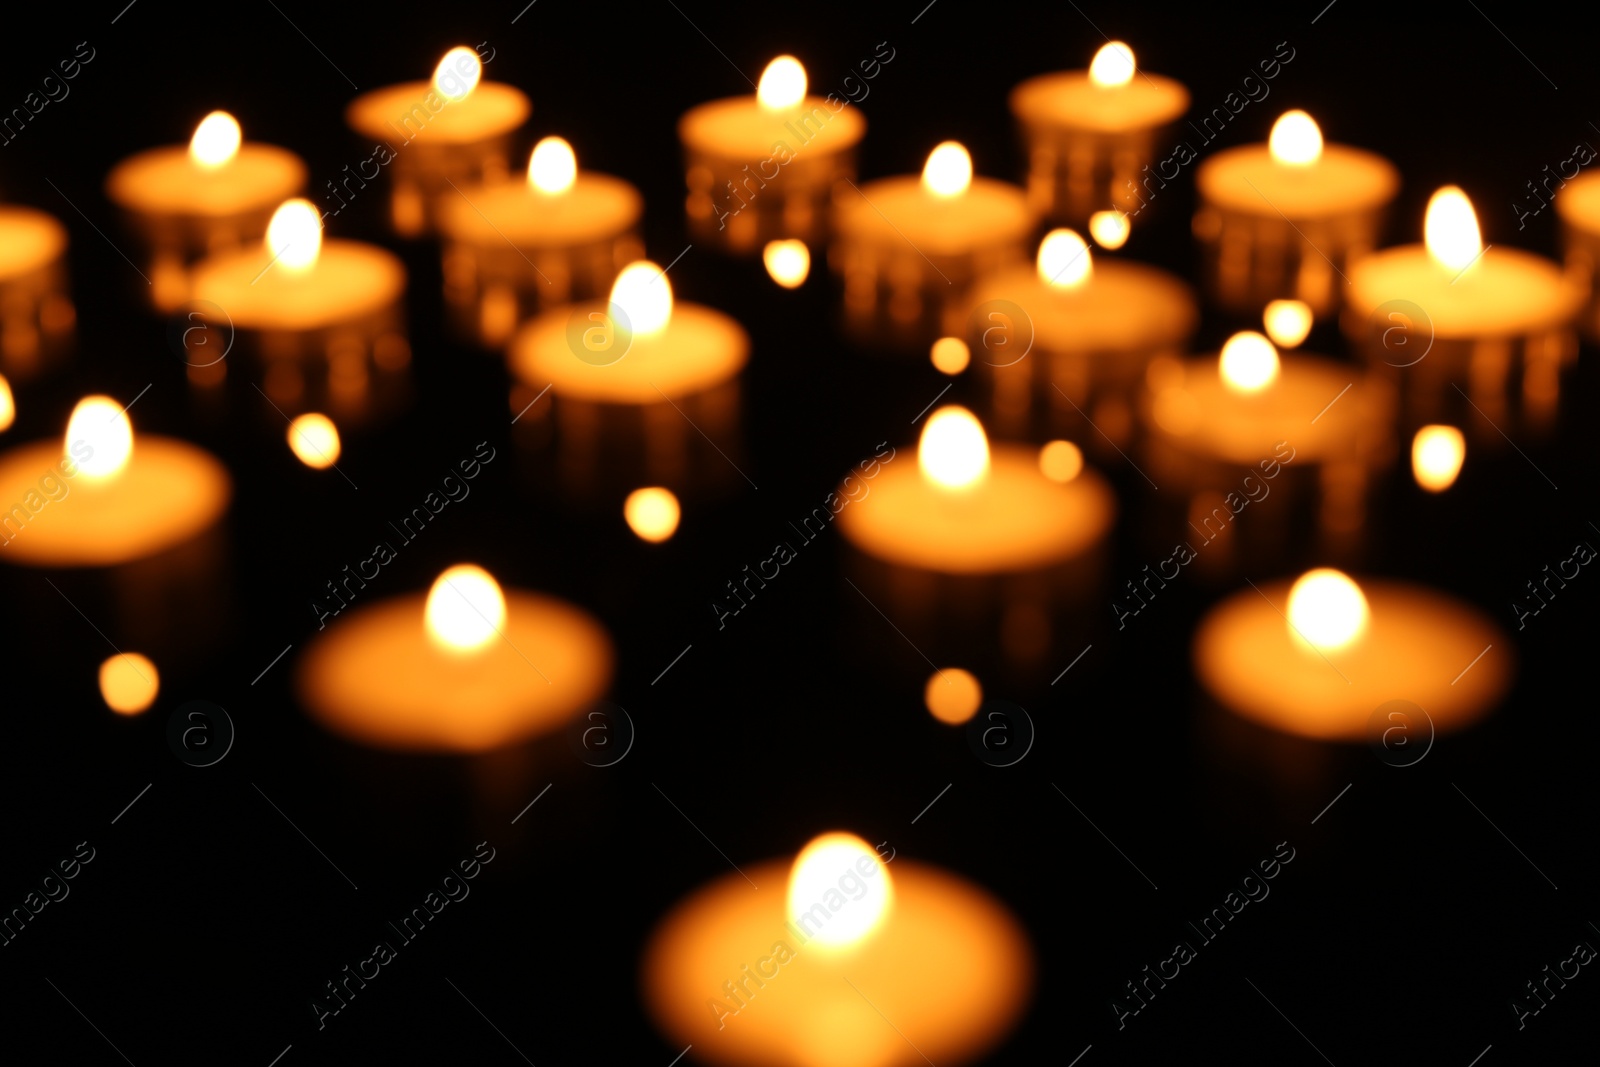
x=1327 y=609
x=1288 y=322
x=950 y=355
x=8 y=405
x=783 y=84
x=1113 y=66
x=466 y=609
x=1109 y=229
x=103 y=425
x=315 y=440
x=816 y=872
x=129 y=683
x=552 y=166
x=948 y=171
x=1450 y=230
x=787 y=261
x=457 y=74
x=1064 y=260
x=1437 y=453
x=1248 y=363
x=216 y=141
x=1296 y=140
x=294 y=236
x=1061 y=461
x=953 y=452
x=652 y=513
x=952 y=695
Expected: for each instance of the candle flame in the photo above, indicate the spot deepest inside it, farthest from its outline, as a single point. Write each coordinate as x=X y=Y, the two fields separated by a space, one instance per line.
x=553 y=166
x=1061 y=461
x=1064 y=261
x=1249 y=363
x=8 y=406
x=830 y=870
x=1437 y=453
x=1287 y=322
x=652 y=514
x=1113 y=65
x=457 y=73
x=953 y=695
x=465 y=609
x=948 y=171
x=1450 y=229
x=783 y=84
x=103 y=425
x=1327 y=608
x=129 y=683
x=294 y=236
x=953 y=451
x=950 y=355
x=644 y=296
x=1109 y=229
x=788 y=262
x=315 y=440
x=1296 y=140
x=215 y=141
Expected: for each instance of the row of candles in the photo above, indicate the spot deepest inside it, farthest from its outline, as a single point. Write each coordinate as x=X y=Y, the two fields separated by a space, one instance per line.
x=471 y=667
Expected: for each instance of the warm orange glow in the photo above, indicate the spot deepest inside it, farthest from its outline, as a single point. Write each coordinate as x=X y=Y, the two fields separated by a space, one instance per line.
x=1287 y=322
x=953 y=452
x=1327 y=608
x=953 y=695
x=465 y=609
x=948 y=171
x=294 y=236
x=1112 y=66
x=1064 y=261
x=457 y=73
x=8 y=405
x=1249 y=363
x=129 y=683
x=644 y=295
x=103 y=425
x=552 y=167
x=1295 y=140
x=315 y=440
x=1450 y=229
x=783 y=84
x=652 y=513
x=788 y=262
x=818 y=871
x=216 y=140
x=1109 y=229
x=1061 y=461
x=1437 y=453
x=950 y=355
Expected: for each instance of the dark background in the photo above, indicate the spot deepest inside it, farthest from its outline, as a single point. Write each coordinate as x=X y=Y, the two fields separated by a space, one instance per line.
x=206 y=923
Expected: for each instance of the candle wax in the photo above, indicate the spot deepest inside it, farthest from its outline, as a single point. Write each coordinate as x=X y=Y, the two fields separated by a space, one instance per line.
x=898 y=210
x=29 y=240
x=1070 y=99
x=700 y=348
x=597 y=206
x=1015 y=520
x=739 y=128
x=1506 y=293
x=1343 y=180
x=400 y=112
x=349 y=281
x=1121 y=306
x=166 y=181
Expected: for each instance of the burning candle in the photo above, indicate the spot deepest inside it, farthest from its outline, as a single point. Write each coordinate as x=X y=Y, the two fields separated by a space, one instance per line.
x=1437 y=453
x=652 y=514
x=639 y=383
x=465 y=669
x=214 y=195
x=1578 y=208
x=851 y=966
x=36 y=315
x=909 y=247
x=325 y=315
x=560 y=236
x=1064 y=342
x=1318 y=658
x=1285 y=220
x=454 y=130
x=1089 y=134
x=129 y=683
x=1450 y=319
x=766 y=167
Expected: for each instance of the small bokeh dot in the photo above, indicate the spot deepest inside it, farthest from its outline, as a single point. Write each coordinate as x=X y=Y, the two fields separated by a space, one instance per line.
x=129 y=683
x=950 y=355
x=1061 y=461
x=652 y=513
x=953 y=695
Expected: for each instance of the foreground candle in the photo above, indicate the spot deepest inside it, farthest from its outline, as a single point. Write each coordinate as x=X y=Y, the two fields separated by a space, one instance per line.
x=1318 y=658
x=810 y=978
x=560 y=236
x=452 y=131
x=1089 y=134
x=1451 y=319
x=468 y=668
x=1285 y=219
x=36 y=315
x=766 y=167
x=1578 y=207
x=909 y=247
x=188 y=201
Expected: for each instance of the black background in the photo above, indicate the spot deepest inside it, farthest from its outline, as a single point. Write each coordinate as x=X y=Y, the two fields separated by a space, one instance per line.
x=206 y=923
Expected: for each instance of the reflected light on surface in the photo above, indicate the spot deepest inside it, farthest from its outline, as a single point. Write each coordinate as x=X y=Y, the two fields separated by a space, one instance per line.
x=1327 y=608
x=552 y=166
x=1450 y=229
x=1109 y=229
x=1296 y=141
x=103 y=425
x=1437 y=453
x=819 y=870
x=294 y=236
x=950 y=355
x=457 y=73
x=948 y=171
x=783 y=84
x=652 y=513
x=1064 y=261
x=952 y=695
x=129 y=683
x=788 y=262
x=1249 y=363
x=314 y=439
x=645 y=297
x=216 y=140
x=1112 y=66
x=953 y=452
x=1288 y=322
x=465 y=609
x=1061 y=461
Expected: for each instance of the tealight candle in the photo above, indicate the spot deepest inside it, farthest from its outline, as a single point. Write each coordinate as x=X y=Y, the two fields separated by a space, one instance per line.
x=1285 y=220
x=1319 y=658
x=1578 y=208
x=1089 y=134
x=1066 y=341
x=971 y=533
x=558 y=237
x=213 y=195
x=909 y=247
x=1452 y=320
x=1252 y=423
x=36 y=315
x=467 y=668
x=767 y=167
x=637 y=383
x=851 y=967
x=452 y=131
x=324 y=315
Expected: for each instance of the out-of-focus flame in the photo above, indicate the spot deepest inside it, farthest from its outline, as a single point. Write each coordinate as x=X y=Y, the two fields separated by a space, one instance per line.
x=652 y=513
x=294 y=236
x=1064 y=261
x=644 y=295
x=129 y=683
x=1109 y=229
x=1249 y=363
x=1450 y=229
x=1296 y=140
x=465 y=609
x=1112 y=66
x=841 y=865
x=788 y=262
x=1061 y=461
x=783 y=84
x=552 y=167
x=1437 y=453
x=948 y=171
x=103 y=425
x=457 y=73
x=216 y=140
x=1287 y=322
x=1327 y=608
x=314 y=439
x=952 y=695
x=950 y=355
x=953 y=451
